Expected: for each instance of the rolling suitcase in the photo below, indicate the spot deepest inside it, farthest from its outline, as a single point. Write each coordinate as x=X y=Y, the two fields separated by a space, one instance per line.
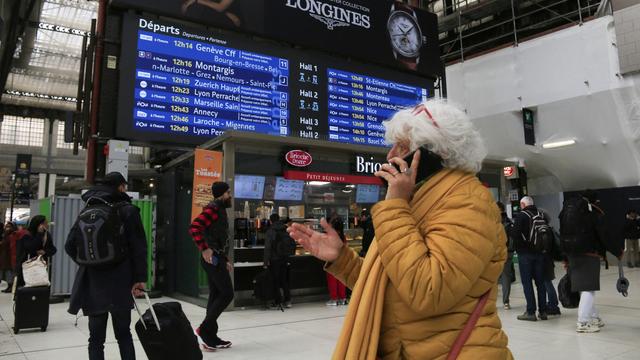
x=31 y=308
x=165 y=332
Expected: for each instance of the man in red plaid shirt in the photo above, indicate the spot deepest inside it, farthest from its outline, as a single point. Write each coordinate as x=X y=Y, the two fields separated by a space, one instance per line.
x=210 y=232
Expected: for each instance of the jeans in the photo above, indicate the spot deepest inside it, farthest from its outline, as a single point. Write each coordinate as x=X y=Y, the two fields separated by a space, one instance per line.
x=506 y=278
x=552 y=303
x=121 y=320
x=279 y=272
x=220 y=296
x=631 y=252
x=532 y=268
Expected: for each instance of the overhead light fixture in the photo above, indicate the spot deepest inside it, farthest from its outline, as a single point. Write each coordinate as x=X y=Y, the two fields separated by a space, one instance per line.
x=351 y=186
x=558 y=144
x=347 y=191
x=318 y=183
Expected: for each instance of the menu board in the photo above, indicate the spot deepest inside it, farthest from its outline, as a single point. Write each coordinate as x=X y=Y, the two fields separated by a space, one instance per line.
x=367 y=194
x=248 y=187
x=180 y=85
x=288 y=190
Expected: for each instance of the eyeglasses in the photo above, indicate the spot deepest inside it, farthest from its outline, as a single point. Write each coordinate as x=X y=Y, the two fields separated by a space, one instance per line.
x=419 y=109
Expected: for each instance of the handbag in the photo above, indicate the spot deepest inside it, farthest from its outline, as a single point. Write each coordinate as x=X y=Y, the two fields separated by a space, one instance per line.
x=468 y=328
x=34 y=272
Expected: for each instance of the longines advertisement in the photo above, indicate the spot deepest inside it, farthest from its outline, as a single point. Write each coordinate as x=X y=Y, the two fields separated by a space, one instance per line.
x=386 y=32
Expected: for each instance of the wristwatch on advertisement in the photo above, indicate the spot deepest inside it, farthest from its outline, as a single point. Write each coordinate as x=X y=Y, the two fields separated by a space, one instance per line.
x=405 y=35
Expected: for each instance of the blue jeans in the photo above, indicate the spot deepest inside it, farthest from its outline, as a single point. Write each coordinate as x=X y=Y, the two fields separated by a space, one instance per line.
x=552 y=304
x=532 y=268
x=98 y=332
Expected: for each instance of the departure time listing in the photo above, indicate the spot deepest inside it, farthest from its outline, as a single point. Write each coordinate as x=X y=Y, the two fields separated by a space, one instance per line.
x=202 y=88
x=358 y=105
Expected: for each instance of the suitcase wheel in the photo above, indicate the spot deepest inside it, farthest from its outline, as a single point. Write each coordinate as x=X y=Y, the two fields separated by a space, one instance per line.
x=43 y=329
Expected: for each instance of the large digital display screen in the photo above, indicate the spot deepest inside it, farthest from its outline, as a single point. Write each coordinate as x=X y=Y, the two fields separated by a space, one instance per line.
x=367 y=194
x=187 y=86
x=248 y=187
x=288 y=190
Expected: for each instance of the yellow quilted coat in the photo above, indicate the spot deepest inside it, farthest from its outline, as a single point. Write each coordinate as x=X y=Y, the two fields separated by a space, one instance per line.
x=441 y=252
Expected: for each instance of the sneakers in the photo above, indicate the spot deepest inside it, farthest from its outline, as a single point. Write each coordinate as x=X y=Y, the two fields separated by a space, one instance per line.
x=589 y=327
x=507 y=306
x=527 y=317
x=332 y=303
x=288 y=305
x=597 y=322
x=543 y=316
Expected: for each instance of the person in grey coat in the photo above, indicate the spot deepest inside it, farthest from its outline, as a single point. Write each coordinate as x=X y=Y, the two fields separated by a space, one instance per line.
x=99 y=291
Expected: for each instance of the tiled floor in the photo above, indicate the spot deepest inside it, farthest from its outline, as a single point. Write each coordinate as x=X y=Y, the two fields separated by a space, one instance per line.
x=309 y=331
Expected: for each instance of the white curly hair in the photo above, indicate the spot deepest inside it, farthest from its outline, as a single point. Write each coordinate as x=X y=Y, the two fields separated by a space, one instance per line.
x=443 y=129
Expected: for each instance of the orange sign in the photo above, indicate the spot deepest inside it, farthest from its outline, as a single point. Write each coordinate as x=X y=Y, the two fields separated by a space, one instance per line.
x=207 y=169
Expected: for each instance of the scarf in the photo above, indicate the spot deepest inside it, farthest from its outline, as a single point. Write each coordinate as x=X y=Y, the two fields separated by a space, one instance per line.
x=361 y=329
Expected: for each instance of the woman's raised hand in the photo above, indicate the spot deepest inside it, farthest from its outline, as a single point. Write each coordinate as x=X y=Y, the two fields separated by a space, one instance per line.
x=325 y=246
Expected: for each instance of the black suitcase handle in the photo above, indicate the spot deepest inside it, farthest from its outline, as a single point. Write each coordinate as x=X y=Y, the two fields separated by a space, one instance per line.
x=153 y=312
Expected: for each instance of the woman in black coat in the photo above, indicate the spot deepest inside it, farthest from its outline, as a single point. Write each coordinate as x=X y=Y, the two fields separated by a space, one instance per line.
x=36 y=241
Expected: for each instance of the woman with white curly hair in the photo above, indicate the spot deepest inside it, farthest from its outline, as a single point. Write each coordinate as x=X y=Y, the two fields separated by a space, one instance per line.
x=427 y=288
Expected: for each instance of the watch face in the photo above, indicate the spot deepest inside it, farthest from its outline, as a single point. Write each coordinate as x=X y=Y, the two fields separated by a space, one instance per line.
x=406 y=36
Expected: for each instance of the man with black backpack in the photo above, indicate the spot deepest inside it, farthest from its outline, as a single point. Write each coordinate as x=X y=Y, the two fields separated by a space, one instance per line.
x=528 y=231
x=583 y=240
x=278 y=247
x=109 y=243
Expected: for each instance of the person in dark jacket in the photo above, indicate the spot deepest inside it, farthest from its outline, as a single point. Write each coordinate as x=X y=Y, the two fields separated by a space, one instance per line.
x=210 y=232
x=507 y=276
x=631 y=236
x=531 y=262
x=100 y=291
x=10 y=238
x=36 y=241
x=366 y=223
x=584 y=267
x=6 y=272
x=277 y=263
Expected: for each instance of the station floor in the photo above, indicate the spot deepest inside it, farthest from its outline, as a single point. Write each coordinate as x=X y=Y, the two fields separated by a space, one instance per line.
x=309 y=331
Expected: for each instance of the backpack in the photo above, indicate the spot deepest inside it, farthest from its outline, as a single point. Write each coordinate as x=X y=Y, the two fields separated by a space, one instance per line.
x=284 y=245
x=99 y=234
x=540 y=233
x=573 y=220
x=568 y=298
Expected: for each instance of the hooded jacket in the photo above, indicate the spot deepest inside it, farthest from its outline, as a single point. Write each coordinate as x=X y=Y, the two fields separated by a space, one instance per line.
x=99 y=290
x=441 y=252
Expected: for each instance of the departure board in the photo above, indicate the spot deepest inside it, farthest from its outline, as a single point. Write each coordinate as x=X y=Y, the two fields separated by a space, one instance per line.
x=358 y=105
x=188 y=86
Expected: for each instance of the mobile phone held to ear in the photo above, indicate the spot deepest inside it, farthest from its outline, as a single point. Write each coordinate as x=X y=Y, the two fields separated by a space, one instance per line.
x=430 y=163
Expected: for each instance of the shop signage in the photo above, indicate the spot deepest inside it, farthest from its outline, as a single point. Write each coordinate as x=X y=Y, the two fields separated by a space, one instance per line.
x=333 y=178
x=367 y=165
x=23 y=165
x=508 y=171
x=299 y=158
x=207 y=169
x=405 y=37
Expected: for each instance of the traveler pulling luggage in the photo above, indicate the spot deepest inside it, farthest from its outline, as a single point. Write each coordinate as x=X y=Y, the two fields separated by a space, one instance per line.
x=165 y=332
x=31 y=308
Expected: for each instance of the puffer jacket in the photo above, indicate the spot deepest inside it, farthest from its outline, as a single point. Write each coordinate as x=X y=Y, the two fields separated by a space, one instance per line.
x=442 y=251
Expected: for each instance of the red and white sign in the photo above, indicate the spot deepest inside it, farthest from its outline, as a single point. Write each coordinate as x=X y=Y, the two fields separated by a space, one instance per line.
x=508 y=171
x=333 y=178
x=299 y=158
